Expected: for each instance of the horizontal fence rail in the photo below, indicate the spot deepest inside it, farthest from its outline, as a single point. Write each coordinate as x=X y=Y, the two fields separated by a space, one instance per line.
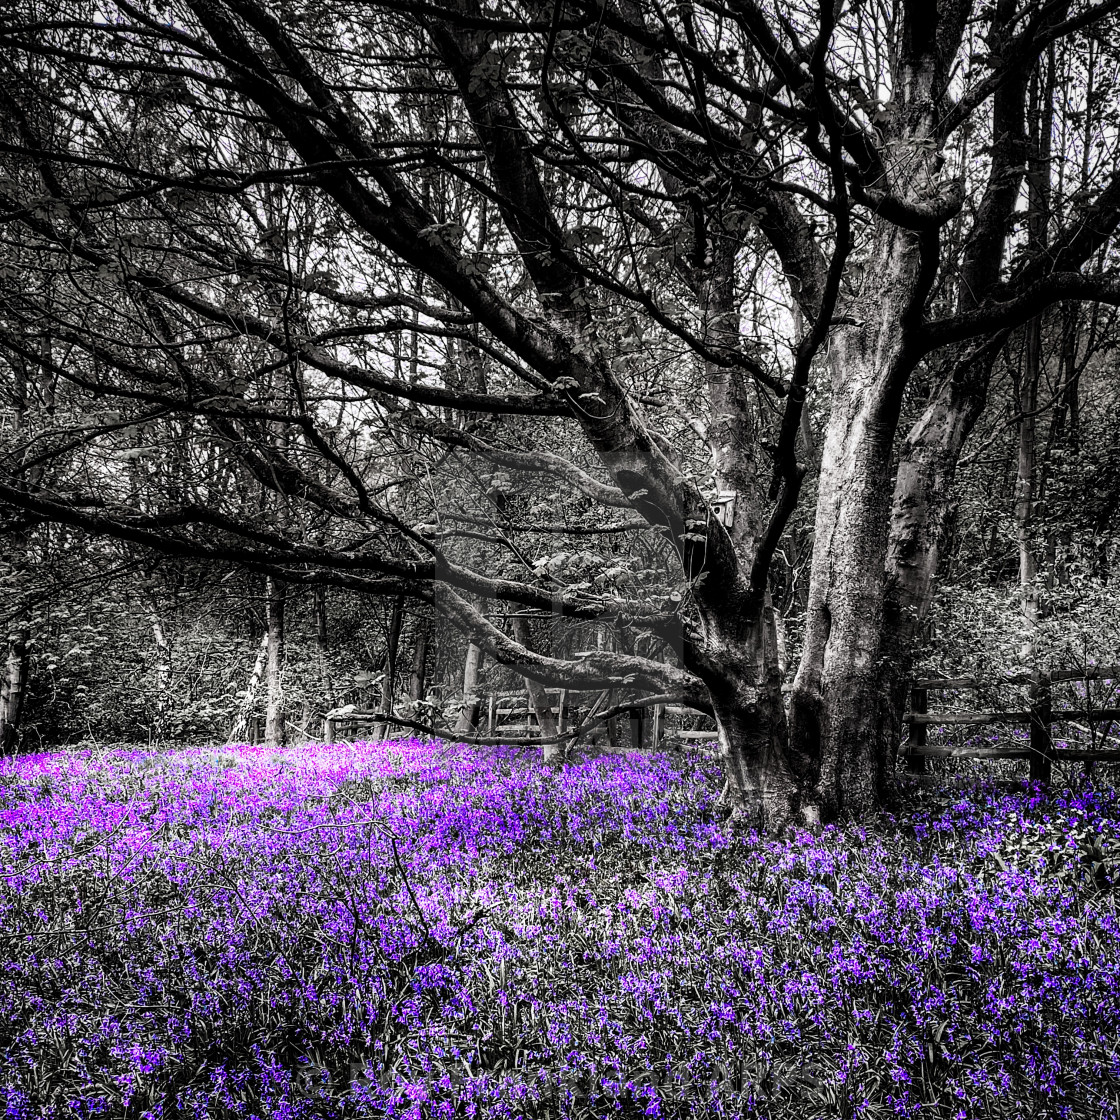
x=508 y=712
x=648 y=728
x=1040 y=717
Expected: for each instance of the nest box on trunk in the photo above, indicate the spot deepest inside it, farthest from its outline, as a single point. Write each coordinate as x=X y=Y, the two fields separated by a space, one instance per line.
x=724 y=508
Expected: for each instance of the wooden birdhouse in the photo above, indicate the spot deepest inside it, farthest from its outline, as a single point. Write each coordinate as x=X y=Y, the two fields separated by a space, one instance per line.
x=724 y=507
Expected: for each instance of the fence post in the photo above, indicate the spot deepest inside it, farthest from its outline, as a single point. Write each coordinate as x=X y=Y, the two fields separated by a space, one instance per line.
x=1042 y=744
x=612 y=725
x=919 y=705
x=636 y=728
x=328 y=729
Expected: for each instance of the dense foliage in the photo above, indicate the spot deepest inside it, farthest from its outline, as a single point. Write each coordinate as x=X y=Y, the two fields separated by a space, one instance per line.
x=418 y=930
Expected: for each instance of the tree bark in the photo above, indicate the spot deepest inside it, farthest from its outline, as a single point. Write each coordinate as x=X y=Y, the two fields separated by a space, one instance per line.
x=1026 y=491
x=275 y=727
x=836 y=722
x=418 y=678
x=322 y=644
x=740 y=664
x=13 y=689
x=921 y=514
x=538 y=697
x=163 y=678
x=389 y=675
x=874 y=561
x=766 y=784
x=922 y=507
x=392 y=646
x=241 y=723
x=14 y=686
x=468 y=712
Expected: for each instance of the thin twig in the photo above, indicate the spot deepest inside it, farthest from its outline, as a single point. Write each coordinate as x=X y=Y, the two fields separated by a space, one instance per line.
x=408 y=886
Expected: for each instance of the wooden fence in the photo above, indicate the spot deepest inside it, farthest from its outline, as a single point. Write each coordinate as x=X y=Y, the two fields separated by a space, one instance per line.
x=503 y=712
x=1040 y=717
x=513 y=712
x=649 y=726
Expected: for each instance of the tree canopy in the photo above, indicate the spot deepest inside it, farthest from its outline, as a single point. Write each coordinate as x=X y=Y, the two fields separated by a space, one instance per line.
x=385 y=297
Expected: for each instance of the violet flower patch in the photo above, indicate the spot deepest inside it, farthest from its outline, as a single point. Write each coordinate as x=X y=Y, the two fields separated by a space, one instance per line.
x=424 y=930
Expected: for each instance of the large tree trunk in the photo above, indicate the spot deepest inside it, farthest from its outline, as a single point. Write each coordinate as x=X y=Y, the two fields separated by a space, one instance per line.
x=275 y=726
x=836 y=719
x=538 y=697
x=922 y=506
x=765 y=780
x=741 y=667
x=921 y=513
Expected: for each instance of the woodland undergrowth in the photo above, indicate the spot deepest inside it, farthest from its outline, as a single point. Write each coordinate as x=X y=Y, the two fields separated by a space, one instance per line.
x=426 y=930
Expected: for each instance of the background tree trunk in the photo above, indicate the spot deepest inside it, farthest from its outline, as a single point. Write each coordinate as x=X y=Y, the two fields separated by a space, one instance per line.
x=275 y=727
x=468 y=712
x=538 y=698
x=163 y=678
x=13 y=689
x=1041 y=117
x=248 y=702
x=1025 y=489
x=417 y=681
x=389 y=675
x=18 y=661
x=322 y=644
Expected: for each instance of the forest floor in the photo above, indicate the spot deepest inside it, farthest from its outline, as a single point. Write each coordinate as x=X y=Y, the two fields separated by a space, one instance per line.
x=425 y=930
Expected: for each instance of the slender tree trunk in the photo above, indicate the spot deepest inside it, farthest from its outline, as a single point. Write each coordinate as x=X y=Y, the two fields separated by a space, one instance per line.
x=322 y=634
x=163 y=677
x=13 y=689
x=1026 y=484
x=18 y=661
x=322 y=644
x=241 y=724
x=468 y=712
x=275 y=728
x=392 y=646
x=538 y=698
x=382 y=730
x=417 y=681
x=1025 y=489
